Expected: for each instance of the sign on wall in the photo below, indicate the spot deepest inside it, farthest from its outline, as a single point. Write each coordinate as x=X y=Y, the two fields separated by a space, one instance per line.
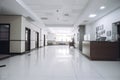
x=100 y=31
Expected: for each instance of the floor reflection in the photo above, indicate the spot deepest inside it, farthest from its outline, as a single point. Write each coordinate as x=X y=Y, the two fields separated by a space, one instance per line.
x=57 y=63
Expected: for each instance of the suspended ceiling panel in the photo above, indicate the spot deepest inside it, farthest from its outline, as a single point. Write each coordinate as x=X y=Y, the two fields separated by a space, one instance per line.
x=57 y=11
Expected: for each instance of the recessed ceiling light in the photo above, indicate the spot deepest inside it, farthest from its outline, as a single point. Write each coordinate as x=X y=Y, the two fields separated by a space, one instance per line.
x=92 y=15
x=102 y=7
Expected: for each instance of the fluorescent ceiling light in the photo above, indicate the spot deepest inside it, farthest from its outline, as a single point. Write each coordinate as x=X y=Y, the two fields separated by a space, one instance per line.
x=102 y=7
x=92 y=15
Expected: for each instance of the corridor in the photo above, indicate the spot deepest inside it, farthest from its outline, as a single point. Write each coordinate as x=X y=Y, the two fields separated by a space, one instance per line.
x=57 y=63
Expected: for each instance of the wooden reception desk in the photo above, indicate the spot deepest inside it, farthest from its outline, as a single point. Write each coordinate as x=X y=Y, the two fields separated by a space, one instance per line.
x=100 y=50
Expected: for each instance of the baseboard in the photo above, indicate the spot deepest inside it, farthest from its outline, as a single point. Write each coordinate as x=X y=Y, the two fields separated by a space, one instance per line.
x=5 y=57
x=20 y=53
x=17 y=53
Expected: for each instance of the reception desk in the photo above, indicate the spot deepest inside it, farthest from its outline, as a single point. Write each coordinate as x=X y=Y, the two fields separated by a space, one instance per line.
x=100 y=50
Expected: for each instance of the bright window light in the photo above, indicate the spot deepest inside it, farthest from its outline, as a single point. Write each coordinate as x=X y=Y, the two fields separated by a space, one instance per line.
x=92 y=15
x=63 y=38
x=102 y=7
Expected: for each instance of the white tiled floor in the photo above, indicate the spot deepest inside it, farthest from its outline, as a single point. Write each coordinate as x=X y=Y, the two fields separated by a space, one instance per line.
x=58 y=63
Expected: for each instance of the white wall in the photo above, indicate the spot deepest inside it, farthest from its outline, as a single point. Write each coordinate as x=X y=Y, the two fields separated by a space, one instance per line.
x=34 y=27
x=106 y=21
x=43 y=32
x=90 y=31
x=15 y=31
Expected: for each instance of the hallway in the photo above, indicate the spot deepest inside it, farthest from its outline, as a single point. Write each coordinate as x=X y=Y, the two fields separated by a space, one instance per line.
x=57 y=63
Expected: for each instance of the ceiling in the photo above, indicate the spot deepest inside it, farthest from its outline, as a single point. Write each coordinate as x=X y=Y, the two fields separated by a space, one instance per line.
x=17 y=7
x=57 y=12
x=68 y=12
x=93 y=7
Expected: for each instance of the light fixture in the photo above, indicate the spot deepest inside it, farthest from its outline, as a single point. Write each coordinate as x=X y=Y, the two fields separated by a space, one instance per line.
x=92 y=15
x=102 y=7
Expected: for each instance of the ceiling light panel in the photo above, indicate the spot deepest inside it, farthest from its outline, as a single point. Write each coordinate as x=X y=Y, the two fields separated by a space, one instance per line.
x=66 y=13
x=102 y=7
x=92 y=15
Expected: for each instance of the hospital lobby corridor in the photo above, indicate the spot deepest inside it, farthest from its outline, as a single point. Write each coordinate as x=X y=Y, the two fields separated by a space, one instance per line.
x=57 y=63
x=59 y=39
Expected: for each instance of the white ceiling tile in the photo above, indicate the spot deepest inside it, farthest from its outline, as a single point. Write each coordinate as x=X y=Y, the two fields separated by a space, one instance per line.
x=77 y=9
x=47 y=8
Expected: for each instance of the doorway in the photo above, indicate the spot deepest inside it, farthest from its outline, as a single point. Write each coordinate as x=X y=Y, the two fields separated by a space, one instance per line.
x=37 y=40
x=44 y=40
x=4 y=38
x=118 y=32
x=27 y=39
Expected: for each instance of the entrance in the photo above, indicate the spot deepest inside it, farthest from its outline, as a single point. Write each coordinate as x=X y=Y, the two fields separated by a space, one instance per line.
x=118 y=32
x=44 y=40
x=4 y=38
x=27 y=39
x=37 y=40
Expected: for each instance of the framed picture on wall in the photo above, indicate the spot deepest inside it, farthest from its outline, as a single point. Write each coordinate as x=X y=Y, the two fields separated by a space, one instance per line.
x=100 y=31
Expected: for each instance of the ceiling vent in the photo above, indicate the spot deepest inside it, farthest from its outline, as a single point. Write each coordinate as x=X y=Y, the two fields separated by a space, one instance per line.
x=44 y=18
x=66 y=14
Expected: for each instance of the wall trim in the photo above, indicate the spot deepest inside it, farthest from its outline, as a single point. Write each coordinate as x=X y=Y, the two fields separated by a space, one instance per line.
x=21 y=53
x=17 y=40
x=21 y=40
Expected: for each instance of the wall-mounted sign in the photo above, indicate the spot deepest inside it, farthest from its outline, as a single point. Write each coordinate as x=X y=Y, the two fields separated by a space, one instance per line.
x=100 y=31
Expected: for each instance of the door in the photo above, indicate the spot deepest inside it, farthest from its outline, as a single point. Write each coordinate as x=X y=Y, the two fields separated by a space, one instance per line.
x=118 y=32
x=37 y=40
x=4 y=38
x=27 y=39
x=44 y=40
